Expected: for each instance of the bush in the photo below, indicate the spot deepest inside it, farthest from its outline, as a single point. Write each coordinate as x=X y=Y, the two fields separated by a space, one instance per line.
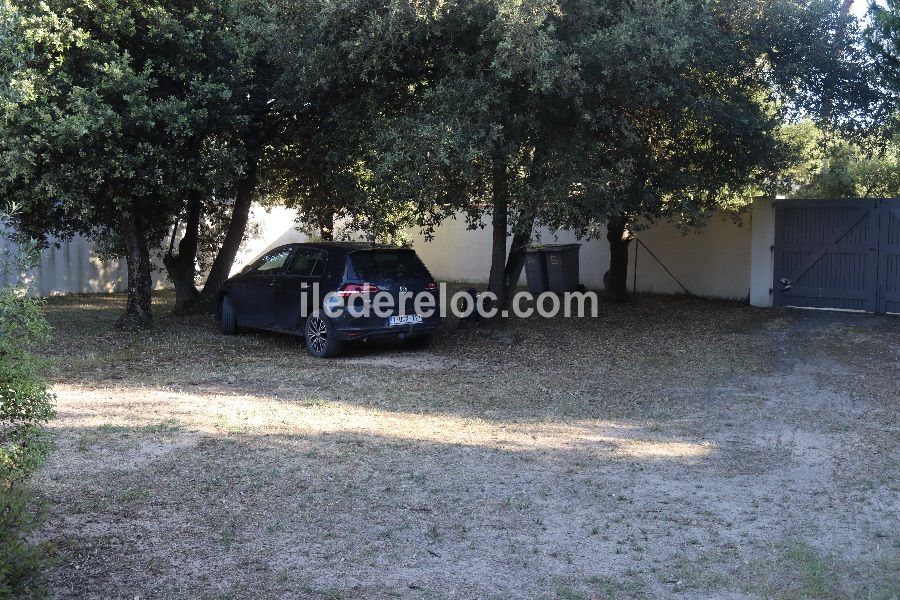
x=21 y=562
x=25 y=403
x=25 y=406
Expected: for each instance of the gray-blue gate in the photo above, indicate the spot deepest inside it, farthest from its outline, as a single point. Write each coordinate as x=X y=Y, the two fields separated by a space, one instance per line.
x=889 y=257
x=839 y=254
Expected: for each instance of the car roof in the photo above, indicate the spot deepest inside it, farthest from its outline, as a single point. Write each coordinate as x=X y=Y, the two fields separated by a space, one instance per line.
x=344 y=247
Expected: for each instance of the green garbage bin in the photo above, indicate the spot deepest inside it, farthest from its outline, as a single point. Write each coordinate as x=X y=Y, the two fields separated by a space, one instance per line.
x=536 y=270
x=562 y=267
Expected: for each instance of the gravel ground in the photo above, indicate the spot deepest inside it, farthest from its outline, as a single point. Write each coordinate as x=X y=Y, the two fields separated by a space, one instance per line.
x=669 y=448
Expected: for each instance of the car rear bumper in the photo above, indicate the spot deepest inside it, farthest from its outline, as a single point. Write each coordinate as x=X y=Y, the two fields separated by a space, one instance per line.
x=348 y=333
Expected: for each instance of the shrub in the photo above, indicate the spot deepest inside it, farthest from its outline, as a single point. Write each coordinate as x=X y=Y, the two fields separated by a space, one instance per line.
x=25 y=403
x=25 y=406
x=21 y=562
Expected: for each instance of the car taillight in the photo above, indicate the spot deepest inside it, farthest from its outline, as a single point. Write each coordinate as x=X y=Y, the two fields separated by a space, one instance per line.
x=357 y=288
x=431 y=286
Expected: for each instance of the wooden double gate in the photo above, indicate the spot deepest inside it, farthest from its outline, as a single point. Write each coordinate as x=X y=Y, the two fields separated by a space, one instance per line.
x=838 y=254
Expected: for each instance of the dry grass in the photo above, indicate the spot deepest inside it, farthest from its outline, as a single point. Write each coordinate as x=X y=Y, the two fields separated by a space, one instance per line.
x=671 y=446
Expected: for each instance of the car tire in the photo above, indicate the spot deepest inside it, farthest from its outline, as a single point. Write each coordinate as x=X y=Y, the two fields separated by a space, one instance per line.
x=228 y=321
x=321 y=340
x=418 y=342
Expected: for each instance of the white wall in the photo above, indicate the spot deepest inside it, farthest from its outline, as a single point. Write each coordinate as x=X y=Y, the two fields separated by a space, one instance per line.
x=713 y=261
x=726 y=259
x=762 y=252
x=267 y=229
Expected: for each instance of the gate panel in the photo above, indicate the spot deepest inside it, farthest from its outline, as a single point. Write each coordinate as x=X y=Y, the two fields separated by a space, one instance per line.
x=889 y=257
x=827 y=253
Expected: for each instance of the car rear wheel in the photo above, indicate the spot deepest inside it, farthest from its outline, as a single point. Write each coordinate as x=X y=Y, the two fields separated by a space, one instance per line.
x=229 y=318
x=320 y=337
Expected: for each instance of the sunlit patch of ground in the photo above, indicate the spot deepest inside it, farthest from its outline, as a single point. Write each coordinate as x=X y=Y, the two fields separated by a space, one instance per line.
x=703 y=449
x=139 y=408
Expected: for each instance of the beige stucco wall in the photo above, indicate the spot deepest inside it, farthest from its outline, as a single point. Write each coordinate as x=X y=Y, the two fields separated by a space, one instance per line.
x=713 y=261
x=726 y=259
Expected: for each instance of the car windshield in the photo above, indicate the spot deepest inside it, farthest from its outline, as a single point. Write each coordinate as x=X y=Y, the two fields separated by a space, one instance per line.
x=386 y=264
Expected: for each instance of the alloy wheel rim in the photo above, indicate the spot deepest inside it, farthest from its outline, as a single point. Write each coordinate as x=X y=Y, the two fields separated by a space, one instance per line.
x=317 y=334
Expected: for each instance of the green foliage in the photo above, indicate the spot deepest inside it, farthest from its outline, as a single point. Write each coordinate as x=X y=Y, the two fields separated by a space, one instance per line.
x=120 y=111
x=815 y=55
x=650 y=109
x=839 y=167
x=360 y=63
x=883 y=42
x=21 y=562
x=686 y=111
x=25 y=403
x=116 y=99
x=646 y=110
x=847 y=171
x=25 y=406
x=399 y=113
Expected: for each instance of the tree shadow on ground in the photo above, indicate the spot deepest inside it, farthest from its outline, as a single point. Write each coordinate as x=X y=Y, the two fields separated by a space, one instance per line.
x=631 y=361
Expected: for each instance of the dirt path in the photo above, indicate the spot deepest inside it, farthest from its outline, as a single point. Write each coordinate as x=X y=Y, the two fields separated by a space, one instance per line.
x=717 y=452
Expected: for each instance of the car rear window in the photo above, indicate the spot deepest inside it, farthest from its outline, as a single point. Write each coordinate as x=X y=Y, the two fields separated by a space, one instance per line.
x=385 y=264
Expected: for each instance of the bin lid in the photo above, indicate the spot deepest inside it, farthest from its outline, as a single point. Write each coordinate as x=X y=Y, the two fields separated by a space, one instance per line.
x=558 y=247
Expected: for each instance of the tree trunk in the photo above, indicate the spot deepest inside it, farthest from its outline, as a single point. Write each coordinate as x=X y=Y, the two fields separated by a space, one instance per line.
x=138 y=313
x=616 y=279
x=516 y=261
x=221 y=267
x=326 y=227
x=500 y=227
x=182 y=268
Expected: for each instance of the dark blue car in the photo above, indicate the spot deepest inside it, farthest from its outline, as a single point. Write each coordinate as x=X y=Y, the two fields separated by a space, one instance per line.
x=333 y=292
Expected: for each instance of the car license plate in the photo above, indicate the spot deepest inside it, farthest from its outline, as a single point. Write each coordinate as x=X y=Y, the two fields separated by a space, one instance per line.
x=404 y=320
